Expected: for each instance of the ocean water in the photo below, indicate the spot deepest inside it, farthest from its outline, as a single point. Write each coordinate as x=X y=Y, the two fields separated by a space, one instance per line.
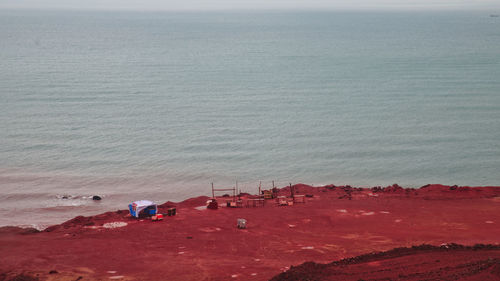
x=131 y=105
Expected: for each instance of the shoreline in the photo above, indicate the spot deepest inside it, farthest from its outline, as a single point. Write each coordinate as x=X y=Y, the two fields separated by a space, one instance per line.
x=334 y=223
x=357 y=188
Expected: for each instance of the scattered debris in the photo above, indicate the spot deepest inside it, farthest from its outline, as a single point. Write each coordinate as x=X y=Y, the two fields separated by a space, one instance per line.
x=212 y=204
x=241 y=223
x=115 y=224
x=157 y=217
x=171 y=212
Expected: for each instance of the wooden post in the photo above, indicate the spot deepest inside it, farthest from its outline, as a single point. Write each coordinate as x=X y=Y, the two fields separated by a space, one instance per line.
x=260 y=183
x=291 y=190
x=213 y=193
x=272 y=191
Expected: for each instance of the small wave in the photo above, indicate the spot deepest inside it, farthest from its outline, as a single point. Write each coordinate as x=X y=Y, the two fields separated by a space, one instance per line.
x=38 y=227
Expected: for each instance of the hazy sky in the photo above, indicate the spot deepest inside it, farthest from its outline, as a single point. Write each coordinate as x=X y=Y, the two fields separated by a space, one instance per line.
x=251 y=4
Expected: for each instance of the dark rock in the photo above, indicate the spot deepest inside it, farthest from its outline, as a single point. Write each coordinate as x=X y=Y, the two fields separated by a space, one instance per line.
x=53 y=272
x=96 y=197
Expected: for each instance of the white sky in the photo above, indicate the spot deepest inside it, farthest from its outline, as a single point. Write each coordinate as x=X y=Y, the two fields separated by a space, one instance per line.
x=493 y=5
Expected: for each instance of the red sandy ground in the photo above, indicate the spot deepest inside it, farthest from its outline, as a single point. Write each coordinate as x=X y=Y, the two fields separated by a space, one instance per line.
x=334 y=224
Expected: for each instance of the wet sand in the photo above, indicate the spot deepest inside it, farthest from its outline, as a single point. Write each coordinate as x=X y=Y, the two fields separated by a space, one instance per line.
x=201 y=244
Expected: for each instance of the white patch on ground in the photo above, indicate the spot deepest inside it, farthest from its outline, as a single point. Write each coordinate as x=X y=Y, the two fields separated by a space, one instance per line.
x=243 y=267
x=291 y=225
x=117 y=277
x=384 y=212
x=256 y=259
x=342 y=211
x=285 y=268
x=371 y=194
x=114 y=224
x=180 y=253
x=488 y=221
x=308 y=248
x=253 y=274
x=234 y=275
x=111 y=271
x=368 y=214
x=398 y=220
x=201 y=208
x=210 y=229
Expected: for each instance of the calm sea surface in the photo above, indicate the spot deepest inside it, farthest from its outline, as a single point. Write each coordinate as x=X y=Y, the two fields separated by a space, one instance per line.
x=159 y=105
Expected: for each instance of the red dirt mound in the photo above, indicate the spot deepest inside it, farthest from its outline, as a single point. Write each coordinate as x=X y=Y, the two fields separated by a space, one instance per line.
x=424 y=262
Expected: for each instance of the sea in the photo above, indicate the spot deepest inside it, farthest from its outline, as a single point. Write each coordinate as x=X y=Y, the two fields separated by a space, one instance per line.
x=159 y=105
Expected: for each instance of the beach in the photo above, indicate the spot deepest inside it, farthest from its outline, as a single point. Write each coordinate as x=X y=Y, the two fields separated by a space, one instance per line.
x=131 y=104
x=334 y=223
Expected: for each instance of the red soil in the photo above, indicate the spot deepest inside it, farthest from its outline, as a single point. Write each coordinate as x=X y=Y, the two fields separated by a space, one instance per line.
x=336 y=223
x=425 y=262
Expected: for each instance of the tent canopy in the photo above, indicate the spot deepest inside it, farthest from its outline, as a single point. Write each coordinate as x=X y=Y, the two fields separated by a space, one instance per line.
x=137 y=206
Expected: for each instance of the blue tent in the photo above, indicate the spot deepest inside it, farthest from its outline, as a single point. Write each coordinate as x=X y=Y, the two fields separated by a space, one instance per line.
x=149 y=207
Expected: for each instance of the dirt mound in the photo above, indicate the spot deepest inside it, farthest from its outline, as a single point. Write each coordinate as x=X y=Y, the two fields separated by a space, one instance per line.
x=446 y=262
x=17 y=230
x=17 y=277
x=194 y=202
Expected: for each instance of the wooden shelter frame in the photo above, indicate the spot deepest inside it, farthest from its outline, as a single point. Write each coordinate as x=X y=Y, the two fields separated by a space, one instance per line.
x=223 y=189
